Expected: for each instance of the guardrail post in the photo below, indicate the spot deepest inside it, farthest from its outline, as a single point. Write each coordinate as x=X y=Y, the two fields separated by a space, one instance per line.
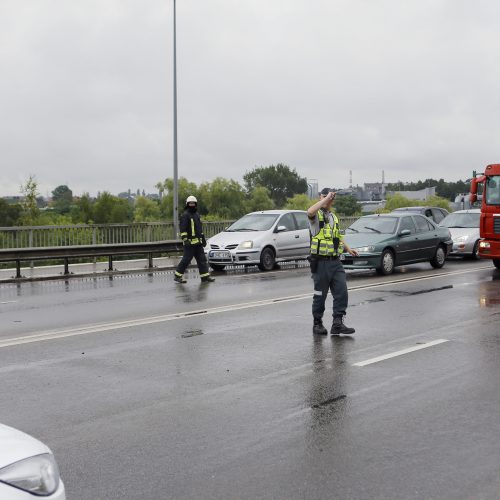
x=110 y=263
x=66 y=266
x=18 y=269
x=150 y=260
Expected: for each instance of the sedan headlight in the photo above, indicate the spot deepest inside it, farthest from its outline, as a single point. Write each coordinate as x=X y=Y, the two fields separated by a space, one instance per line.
x=368 y=249
x=246 y=244
x=38 y=475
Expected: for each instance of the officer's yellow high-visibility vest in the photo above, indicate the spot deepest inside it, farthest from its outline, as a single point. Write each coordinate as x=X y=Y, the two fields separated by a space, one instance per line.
x=328 y=241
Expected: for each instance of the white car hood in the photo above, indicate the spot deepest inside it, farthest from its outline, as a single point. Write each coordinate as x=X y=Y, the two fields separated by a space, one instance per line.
x=16 y=445
x=231 y=238
x=464 y=231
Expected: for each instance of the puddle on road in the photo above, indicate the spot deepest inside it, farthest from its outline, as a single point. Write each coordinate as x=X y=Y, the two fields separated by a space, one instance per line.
x=369 y=301
x=191 y=333
x=402 y=293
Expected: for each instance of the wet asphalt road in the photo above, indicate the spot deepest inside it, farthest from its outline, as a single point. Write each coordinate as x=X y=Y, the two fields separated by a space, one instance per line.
x=146 y=389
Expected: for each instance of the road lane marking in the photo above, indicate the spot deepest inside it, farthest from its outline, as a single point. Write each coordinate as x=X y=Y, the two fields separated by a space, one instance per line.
x=117 y=325
x=9 y=302
x=400 y=353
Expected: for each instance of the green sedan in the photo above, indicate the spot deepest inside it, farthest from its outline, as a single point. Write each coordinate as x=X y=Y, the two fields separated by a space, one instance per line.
x=388 y=240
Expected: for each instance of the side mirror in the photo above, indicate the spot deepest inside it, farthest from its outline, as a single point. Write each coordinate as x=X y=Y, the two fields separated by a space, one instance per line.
x=405 y=232
x=280 y=229
x=472 y=198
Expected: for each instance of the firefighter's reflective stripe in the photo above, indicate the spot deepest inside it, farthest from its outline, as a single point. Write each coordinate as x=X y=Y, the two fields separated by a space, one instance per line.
x=184 y=235
x=323 y=243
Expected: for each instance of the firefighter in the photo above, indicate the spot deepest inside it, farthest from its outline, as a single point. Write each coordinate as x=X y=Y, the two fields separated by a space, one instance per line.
x=326 y=267
x=194 y=243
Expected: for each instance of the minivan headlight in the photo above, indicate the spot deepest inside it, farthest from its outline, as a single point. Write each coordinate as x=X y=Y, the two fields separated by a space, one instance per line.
x=246 y=244
x=38 y=475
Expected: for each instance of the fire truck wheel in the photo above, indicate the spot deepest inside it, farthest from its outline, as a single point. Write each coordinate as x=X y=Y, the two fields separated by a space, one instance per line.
x=497 y=263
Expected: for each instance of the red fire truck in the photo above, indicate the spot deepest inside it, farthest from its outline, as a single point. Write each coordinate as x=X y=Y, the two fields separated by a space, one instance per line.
x=489 y=228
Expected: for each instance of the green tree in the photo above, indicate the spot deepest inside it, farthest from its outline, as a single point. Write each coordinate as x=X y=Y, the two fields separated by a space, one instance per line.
x=109 y=209
x=62 y=198
x=281 y=181
x=299 y=202
x=82 y=210
x=259 y=200
x=223 y=197
x=146 y=210
x=9 y=213
x=397 y=201
x=438 y=201
x=347 y=205
x=31 y=212
x=185 y=189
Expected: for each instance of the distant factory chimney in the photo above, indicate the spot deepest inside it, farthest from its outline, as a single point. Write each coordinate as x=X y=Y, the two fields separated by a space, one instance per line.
x=350 y=179
x=383 y=177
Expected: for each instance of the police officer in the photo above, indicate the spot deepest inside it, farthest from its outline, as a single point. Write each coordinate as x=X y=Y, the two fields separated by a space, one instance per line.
x=194 y=242
x=327 y=271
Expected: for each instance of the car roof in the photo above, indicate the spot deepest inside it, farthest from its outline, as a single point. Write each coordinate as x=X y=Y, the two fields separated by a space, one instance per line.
x=469 y=211
x=390 y=214
x=275 y=212
x=415 y=209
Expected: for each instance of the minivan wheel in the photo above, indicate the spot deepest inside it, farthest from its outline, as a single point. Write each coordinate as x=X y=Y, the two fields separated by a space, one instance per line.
x=439 y=258
x=267 y=260
x=475 y=251
x=386 y=263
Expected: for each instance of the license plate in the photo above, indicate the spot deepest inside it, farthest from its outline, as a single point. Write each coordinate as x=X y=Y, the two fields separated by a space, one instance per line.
x=220 y=254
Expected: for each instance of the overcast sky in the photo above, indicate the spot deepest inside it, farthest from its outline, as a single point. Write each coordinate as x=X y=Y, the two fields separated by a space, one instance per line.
x=325 y=86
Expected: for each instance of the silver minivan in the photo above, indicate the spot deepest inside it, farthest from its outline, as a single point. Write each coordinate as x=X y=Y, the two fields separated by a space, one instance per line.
x=464 y=229
x=262 y=239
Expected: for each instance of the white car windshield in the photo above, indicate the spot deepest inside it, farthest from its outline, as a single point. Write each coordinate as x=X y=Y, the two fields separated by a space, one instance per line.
x=461 y=220
x=254 y=222
x=384 y=225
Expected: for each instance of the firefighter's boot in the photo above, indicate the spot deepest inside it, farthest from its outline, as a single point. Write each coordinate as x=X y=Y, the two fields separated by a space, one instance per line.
x=318 y=328
x=179 y=278
x=207 y=279
x=340 y=328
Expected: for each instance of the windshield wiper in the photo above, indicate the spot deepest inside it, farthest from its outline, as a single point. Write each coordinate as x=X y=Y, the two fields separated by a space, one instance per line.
x=352 y=229
x=373 y=229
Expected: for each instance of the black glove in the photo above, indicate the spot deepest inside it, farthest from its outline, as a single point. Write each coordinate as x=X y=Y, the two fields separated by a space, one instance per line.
x=204 y=241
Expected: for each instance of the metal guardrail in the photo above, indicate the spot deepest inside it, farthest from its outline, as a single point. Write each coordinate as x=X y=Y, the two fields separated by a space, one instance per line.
x=95 y=234
x=104 y=234
x=18 y=255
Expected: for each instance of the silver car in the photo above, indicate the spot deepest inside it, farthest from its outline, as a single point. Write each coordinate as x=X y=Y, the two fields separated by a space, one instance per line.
x=262 y=239
x=464 y=229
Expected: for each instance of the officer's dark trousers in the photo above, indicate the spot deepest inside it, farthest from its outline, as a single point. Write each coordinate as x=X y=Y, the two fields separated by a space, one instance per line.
x=329 y=276
x=198 y=253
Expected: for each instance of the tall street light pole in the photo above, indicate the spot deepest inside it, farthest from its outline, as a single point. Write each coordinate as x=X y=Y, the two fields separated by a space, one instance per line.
x=176 y=188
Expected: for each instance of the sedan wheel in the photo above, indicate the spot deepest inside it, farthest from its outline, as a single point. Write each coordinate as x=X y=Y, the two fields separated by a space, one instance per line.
x=439 y=257
x=267 y=260
x=475 y=251
x=386 y=263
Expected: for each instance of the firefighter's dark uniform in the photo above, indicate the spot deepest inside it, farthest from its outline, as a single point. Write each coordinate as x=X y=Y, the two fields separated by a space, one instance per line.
x=192 y=236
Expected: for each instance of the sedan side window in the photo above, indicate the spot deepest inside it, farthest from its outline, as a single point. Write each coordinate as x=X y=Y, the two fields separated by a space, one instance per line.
x=288 y=221
x=422 y=224
x=438 y=216
x=407 y=223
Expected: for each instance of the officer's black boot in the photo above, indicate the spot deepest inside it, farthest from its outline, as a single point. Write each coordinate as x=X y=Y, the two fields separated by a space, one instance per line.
x=339 y=328
x=318 y=328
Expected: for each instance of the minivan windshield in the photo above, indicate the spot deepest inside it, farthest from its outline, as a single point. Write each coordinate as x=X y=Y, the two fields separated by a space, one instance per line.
x=461 y=220
x=254 y=222
x=384 y=225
